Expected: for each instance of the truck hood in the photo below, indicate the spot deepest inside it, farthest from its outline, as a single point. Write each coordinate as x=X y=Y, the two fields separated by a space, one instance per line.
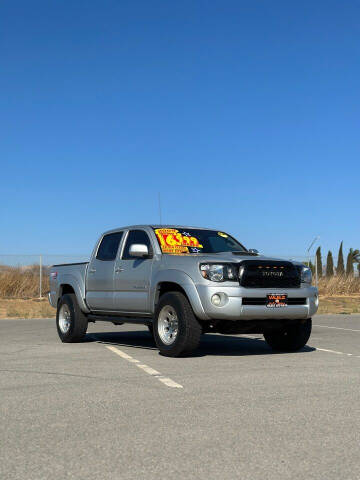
x=222 y=257
x=236 y=258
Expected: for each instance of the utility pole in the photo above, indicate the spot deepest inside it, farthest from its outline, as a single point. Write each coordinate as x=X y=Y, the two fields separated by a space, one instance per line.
x=40 y=282
x=310 y=247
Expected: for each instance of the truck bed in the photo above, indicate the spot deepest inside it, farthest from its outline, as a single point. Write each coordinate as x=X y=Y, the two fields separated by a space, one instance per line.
x=73 y=274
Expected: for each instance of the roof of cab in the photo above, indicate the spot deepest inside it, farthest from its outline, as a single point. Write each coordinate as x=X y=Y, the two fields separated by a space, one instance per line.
x=133 y=227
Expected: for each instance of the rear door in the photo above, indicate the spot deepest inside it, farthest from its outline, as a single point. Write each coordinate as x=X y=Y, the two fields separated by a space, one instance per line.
x=132 y=276
x=100 y=275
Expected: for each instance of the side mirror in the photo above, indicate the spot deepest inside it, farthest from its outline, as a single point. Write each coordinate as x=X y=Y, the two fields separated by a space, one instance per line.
x=253 y=251
x=138 y=250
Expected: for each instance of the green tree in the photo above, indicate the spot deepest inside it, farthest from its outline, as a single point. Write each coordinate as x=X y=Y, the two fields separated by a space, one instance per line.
x=356 y=254
x=319 y=262
x=353 y=257
x=340 y=269
x=329 y=265
x=312 y=267
x=349 y=265
x=357 y=259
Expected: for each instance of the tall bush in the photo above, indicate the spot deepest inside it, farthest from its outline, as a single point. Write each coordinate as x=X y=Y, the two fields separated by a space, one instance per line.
x=350 y=264
x=319 y=262
x=340 y=269
x=329 y=265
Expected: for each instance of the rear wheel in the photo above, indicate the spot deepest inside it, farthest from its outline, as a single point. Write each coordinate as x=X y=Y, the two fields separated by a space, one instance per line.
x=176 y=329
x=71 y=322
x=290 y=338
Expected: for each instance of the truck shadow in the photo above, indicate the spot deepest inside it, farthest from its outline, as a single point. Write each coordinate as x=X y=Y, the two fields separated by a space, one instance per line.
x=210 y=344
x=231 y=345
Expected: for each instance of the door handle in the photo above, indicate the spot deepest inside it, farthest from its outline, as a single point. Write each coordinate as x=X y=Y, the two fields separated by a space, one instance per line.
x=118 y=270
x=92 y=270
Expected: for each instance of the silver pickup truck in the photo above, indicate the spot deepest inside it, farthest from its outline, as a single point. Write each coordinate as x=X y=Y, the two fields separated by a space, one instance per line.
x=182 y=282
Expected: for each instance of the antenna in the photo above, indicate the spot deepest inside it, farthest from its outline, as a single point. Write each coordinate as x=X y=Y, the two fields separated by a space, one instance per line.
x=159 y=198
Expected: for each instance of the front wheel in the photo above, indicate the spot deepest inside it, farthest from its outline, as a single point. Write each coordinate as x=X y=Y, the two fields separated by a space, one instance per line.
x=71 y=322
x=290 y=338
x=176 y=329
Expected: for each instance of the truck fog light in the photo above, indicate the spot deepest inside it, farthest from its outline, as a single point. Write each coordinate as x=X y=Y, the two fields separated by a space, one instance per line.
x=216 y=300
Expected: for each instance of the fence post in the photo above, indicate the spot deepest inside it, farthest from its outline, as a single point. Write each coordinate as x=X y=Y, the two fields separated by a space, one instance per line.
x=40 y=282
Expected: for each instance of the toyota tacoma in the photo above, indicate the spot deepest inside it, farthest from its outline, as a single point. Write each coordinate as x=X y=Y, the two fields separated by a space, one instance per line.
x=182 y=282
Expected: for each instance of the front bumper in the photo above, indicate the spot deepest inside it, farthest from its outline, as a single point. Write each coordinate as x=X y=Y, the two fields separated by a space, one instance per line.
x=233 y=308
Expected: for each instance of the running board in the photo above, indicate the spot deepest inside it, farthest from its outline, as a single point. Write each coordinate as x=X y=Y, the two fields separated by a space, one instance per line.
x=119 y=320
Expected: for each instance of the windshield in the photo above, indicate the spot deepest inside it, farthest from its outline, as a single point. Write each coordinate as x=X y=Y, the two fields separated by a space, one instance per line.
x=178 y=241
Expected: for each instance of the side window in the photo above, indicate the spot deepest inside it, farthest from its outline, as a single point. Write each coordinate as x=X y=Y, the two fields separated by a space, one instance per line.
x=109 y=246
x=136 y=236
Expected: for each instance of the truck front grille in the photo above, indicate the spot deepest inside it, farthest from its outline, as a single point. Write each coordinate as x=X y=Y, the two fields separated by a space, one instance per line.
x=268 y=274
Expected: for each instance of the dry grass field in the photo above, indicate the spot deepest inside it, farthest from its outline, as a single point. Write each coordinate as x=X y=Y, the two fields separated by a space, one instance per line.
x=340 y=304
x=26 y=308
x=19 y=292
x=339 y=286
x=339 y=295
x=22 y=282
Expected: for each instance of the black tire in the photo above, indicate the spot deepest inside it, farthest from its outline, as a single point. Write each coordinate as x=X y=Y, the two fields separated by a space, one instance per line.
x=78 y=320
x=290 y=338
x=189 y=329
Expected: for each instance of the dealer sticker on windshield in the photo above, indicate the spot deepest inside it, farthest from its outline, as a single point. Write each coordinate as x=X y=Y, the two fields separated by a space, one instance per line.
x=173 y=241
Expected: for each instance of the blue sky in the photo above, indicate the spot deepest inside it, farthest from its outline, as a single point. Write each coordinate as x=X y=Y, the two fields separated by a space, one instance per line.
x=243 y=114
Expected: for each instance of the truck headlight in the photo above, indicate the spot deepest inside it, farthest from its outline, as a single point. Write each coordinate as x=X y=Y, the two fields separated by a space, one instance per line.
x=306 y=275
x=218 y=272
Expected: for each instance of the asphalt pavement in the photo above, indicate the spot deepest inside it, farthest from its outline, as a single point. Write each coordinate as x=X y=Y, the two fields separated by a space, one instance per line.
x=111 y=407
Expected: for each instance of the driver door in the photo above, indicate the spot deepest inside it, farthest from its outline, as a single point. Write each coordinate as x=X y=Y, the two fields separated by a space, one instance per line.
x=132 y=276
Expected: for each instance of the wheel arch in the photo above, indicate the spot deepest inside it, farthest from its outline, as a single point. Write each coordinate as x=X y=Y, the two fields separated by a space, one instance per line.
x=174 y=280
x=65 y=288
x=165 y=287
x=68 y=284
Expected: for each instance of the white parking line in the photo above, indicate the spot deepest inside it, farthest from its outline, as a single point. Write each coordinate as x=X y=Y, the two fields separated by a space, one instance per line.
x=119 y=352
x=337 y=328
x=316 y=348
x=337 y=353
x=331 y=351
x=150 y=371
x=169 y=382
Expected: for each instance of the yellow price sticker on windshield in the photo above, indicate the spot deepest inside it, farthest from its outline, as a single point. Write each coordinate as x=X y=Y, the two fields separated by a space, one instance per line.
x=172 y=241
